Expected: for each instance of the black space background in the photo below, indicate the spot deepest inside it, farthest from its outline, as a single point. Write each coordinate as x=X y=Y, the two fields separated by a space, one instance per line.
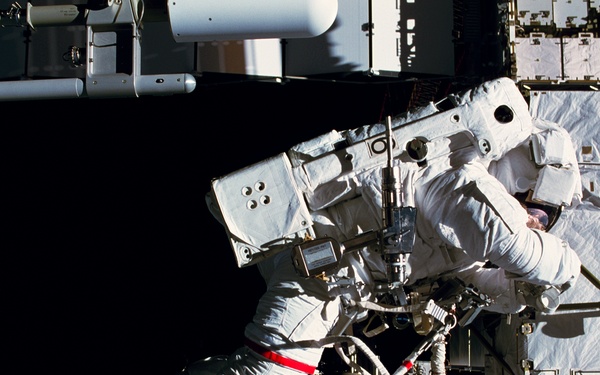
x=111 y=263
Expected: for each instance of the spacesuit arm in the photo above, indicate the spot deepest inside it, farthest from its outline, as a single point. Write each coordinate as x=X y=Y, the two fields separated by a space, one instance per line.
x=471 y=210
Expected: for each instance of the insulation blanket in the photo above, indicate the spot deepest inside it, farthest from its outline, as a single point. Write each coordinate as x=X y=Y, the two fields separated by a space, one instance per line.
x=566 y=341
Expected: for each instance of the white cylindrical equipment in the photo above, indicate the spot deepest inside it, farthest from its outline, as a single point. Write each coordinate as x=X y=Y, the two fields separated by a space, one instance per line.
x=165 y=84
x=59 y=88
x=55 y=15
x=213 y=20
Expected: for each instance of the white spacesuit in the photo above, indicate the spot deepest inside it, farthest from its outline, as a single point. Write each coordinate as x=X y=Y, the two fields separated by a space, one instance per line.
x=466 y=219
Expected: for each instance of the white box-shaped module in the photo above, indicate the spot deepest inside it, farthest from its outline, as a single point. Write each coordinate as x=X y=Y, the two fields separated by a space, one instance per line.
x=256 y=57
x=342 y=48
x=581 y=57
x=538 y=58
x=426 y=37
x=384 y=37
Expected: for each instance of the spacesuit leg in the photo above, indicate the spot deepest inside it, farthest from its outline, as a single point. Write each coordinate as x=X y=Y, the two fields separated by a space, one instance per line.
x=206 y=366
x=293 y=310
x=242 y=362
x=291 y=316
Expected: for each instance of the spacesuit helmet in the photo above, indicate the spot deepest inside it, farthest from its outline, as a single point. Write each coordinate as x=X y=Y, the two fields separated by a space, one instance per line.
x=542 y=173
x=541 y=216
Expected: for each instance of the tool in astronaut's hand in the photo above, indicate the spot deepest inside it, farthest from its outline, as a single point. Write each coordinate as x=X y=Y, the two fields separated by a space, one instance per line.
x=398 y=234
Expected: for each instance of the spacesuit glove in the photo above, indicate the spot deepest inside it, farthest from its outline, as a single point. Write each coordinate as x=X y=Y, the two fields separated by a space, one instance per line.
x=567 y=285
x=543 y=298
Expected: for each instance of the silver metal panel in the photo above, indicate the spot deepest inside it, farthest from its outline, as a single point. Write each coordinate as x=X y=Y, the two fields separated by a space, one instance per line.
x=538 y=58
x=535 y=12
x=569 y=13
x=582 y=57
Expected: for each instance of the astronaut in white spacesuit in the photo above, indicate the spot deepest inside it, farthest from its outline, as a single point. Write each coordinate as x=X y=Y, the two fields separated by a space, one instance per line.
x=467 y=217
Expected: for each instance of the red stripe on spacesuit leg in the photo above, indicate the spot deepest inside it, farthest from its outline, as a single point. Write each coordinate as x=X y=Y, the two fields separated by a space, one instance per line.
x=279 y=359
